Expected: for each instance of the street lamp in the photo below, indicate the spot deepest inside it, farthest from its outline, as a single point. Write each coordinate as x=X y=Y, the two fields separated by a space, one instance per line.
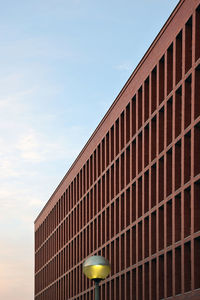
x=96 y=268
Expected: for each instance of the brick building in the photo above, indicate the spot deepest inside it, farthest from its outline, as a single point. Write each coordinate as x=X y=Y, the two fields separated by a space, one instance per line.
x=133 y=193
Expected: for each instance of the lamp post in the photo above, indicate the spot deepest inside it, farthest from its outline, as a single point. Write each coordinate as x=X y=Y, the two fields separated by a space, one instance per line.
x=96 y=268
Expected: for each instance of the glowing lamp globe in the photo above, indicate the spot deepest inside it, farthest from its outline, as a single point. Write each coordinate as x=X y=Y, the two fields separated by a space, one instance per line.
x=96 y=267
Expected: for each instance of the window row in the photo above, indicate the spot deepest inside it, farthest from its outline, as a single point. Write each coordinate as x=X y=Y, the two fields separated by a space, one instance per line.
x=164 y=276
x=170 y=223
x=137 y=200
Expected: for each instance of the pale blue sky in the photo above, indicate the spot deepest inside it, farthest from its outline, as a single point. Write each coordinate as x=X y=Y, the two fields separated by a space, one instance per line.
x=62 y=63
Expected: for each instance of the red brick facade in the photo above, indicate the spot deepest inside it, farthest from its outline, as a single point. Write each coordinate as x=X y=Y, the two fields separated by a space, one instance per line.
x=133 y=193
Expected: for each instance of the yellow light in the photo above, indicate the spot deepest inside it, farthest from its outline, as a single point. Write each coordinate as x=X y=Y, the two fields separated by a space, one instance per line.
x=96 y=267
x=96 y=271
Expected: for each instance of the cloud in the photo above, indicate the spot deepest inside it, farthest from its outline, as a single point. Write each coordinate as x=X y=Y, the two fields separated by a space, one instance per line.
x=15 y=200
x=35 y=147
x=124 y=67
x=7 y=170
x=30 y=148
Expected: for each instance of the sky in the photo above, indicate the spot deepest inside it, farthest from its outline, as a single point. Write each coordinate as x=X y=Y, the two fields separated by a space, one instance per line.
x=62 y=64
